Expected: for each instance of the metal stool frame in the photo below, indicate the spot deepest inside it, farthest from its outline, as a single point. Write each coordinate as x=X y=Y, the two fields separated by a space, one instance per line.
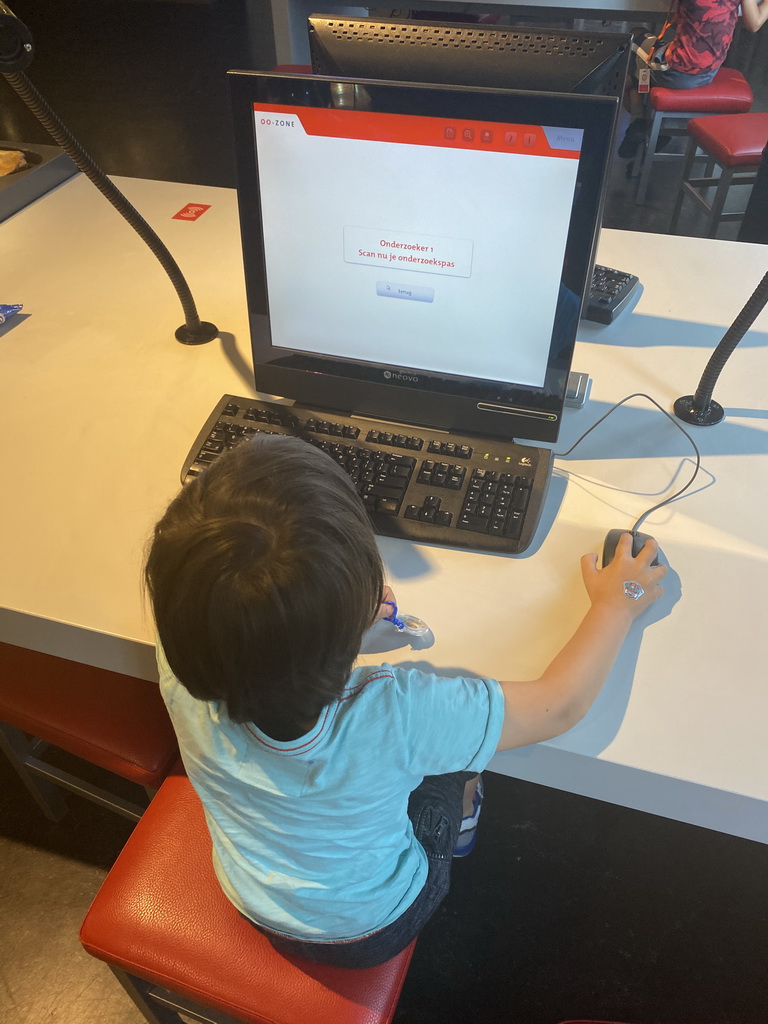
x=42 y=778
x=648 y=155
x=744 y=174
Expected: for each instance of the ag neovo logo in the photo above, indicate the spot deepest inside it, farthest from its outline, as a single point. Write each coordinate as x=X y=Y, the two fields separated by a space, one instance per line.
x=411 y=378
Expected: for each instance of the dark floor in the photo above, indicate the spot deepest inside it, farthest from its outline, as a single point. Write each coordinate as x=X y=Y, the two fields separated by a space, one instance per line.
x=568 y=907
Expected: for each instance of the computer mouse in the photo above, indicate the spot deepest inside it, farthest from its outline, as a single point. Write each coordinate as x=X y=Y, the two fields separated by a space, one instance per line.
x=612 y=539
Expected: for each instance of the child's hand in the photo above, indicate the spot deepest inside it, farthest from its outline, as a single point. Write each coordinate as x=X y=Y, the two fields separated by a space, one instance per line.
x=385 y=610
x=613 y=585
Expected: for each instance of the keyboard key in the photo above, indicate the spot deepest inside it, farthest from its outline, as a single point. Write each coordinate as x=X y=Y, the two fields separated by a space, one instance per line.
x=402 y=460
x=477 y=523
x=384 y=491
x=514 y=525
x=520 y=500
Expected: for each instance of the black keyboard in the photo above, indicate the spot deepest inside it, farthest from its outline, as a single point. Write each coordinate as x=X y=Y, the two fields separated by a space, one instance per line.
x=610 y=293
x=424 y=485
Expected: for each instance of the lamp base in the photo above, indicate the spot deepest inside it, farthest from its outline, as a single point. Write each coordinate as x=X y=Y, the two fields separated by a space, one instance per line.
x=200 y=336
x=711 y=414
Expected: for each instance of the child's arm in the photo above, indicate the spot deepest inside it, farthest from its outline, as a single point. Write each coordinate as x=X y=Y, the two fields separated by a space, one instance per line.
x=754 y=14
x=540 y=709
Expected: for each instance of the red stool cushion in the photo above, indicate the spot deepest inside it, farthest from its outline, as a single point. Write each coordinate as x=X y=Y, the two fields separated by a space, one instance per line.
x=106 y=718
x=727 y=93
x=732 y=139
x=161 y=915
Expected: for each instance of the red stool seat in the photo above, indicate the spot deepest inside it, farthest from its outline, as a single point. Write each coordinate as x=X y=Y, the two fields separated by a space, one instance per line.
x=161 y=916
x=108 y=719
x=733 y=145
x=728 y=92
x=732 y=140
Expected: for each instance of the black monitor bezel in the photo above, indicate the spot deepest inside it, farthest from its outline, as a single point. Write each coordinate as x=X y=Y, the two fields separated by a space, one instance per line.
x=481 y=407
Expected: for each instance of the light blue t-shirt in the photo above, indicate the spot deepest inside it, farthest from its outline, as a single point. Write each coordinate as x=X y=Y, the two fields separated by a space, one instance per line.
x=311 y=837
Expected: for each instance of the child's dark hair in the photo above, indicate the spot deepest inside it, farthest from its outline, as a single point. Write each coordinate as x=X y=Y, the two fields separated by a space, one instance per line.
x=263 y=576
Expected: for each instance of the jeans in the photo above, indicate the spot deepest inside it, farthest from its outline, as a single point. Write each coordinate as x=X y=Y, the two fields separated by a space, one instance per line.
x=671 y=79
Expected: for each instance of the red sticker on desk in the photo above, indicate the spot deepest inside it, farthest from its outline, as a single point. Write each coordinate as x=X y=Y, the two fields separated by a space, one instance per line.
x=191 y=212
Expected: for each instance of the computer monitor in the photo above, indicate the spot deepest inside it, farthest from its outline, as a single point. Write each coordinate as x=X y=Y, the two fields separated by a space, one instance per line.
x=490 y=56
x=418 y=253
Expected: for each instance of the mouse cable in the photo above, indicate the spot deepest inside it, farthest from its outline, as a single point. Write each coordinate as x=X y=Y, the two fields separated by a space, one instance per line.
x=661 y=504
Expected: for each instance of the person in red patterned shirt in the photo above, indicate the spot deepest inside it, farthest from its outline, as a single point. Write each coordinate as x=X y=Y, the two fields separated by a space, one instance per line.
x=703 y=34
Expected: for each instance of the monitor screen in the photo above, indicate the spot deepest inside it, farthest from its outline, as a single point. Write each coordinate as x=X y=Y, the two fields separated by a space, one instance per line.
x=491 y=56
x=418 y=253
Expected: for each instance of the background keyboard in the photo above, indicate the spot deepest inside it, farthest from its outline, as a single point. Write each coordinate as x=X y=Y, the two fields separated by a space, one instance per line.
x=421 y=484
x=610 y=293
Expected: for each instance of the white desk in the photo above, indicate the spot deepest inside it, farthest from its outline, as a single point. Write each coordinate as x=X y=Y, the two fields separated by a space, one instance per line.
x=99 y=405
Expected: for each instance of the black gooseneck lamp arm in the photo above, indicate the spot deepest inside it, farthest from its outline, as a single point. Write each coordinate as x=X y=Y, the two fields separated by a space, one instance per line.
x=700 y=408
x=16 y=52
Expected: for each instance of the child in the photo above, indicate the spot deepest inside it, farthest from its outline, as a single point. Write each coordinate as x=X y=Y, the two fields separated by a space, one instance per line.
x=335 y=796
x=704 y=31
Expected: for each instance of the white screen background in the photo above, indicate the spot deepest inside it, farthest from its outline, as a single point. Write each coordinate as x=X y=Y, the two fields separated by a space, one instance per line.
x=512 y=209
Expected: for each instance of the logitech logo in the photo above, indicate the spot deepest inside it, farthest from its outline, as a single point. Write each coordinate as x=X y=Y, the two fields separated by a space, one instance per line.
x=410 y=377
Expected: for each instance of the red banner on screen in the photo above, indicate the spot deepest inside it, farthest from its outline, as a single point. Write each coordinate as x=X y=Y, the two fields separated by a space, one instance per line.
x=412 y=129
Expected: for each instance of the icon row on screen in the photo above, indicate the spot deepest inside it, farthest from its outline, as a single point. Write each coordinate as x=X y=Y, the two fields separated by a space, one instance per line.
x=487 y=135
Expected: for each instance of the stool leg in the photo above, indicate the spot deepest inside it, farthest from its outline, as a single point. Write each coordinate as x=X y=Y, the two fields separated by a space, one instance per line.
x=636 y=163
x=17 y=748
x=721 y=194
x=690 y=157
x=161 y=1006
x=42 y=779
x=650 y=152
x=138 y=990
